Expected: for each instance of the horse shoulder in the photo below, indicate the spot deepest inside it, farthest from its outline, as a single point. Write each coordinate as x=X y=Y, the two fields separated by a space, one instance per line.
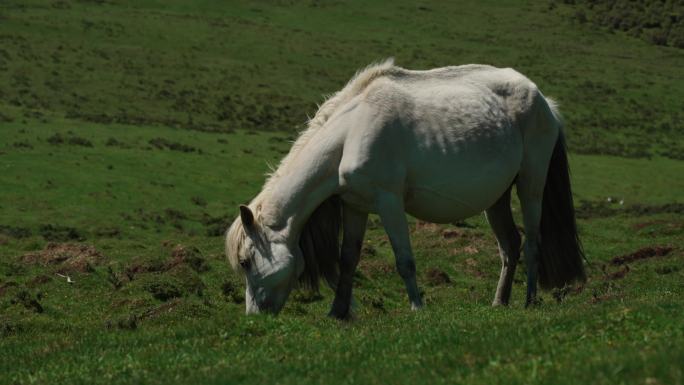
x=374 y=144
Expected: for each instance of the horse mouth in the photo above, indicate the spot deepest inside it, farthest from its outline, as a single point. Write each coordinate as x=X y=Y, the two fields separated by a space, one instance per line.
x=262 y=307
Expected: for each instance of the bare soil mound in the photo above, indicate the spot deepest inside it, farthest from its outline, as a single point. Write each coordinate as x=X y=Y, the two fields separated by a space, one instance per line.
x=643 y=253
x=180 y=256
x=437 y=277
x=68 y=257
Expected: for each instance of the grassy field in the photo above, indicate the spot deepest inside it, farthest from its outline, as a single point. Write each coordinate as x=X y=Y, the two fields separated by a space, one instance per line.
x=130 y=131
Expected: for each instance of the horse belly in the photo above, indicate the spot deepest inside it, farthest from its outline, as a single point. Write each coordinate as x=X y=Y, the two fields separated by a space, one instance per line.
x=449 y=204
x=445 y=189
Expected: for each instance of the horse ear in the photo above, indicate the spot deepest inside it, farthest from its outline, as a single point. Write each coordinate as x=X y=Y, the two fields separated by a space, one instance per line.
x=246 y=216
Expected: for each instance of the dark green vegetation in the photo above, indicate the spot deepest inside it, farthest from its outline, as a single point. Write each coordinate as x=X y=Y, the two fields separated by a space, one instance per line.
x=129 y=133
x=658 y=22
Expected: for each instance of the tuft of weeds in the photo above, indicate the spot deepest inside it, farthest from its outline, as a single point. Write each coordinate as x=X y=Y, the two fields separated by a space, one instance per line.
x=28 y=300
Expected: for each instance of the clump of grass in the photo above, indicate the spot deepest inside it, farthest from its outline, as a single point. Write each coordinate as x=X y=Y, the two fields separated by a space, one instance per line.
x=59 y=233
x=162 y=143
x=58 y=139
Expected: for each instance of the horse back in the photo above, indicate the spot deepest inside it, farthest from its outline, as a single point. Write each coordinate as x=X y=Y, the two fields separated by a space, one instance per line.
x=448 y=140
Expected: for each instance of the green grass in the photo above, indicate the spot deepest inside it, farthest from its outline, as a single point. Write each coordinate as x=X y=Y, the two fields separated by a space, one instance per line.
x=225 y=65
x=153 y=121
x=625 y=328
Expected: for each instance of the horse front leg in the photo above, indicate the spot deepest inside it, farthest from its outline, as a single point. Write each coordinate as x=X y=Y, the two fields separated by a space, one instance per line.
x=391 y=210
x=354 y=228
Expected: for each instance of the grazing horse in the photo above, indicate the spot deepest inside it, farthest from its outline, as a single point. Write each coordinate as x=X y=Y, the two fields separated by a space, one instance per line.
x=442 y=145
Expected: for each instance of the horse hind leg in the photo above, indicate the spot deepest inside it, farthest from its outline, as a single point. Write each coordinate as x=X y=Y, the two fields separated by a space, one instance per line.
x=501 y=221
x=530 y=194
x=530 y=188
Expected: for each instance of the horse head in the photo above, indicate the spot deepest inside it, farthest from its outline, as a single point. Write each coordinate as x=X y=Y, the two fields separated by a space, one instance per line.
x=270 y=266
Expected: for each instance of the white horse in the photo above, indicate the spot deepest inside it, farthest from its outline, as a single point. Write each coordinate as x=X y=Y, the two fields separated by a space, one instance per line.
x=441 y=145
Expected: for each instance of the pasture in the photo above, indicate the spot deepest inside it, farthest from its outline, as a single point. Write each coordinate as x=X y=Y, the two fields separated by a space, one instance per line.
x=131 y=131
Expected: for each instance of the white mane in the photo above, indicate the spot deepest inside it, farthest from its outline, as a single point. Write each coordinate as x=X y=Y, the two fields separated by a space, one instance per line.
x=235 y=234
x=354 y=87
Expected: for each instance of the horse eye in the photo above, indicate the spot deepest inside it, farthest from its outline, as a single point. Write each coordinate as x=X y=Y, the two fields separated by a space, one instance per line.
x=245 y=263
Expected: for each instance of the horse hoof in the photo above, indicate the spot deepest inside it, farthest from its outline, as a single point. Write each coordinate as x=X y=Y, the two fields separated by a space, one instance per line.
x=533 y=302
x=340 y=315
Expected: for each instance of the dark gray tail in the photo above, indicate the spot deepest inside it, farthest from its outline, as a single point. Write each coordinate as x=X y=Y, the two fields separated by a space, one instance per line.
x=560 y=250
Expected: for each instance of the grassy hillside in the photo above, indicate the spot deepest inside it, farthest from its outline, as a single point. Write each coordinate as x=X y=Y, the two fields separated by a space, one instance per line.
x=155 y=301
x=130 y=131
x=225 y=65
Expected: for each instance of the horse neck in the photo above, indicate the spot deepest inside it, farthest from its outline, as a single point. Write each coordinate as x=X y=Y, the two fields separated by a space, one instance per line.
x=301 y=185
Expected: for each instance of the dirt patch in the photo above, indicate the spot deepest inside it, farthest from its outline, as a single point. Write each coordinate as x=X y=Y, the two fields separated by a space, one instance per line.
x=141 y=267
x=437 y=277
x=643 y=253
x=471 y=267
x=469 y=250
x=374 y=268
x=180 y=256
x=190 y=256
x=619 y=274
x=68 y=257
x=426 y=227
